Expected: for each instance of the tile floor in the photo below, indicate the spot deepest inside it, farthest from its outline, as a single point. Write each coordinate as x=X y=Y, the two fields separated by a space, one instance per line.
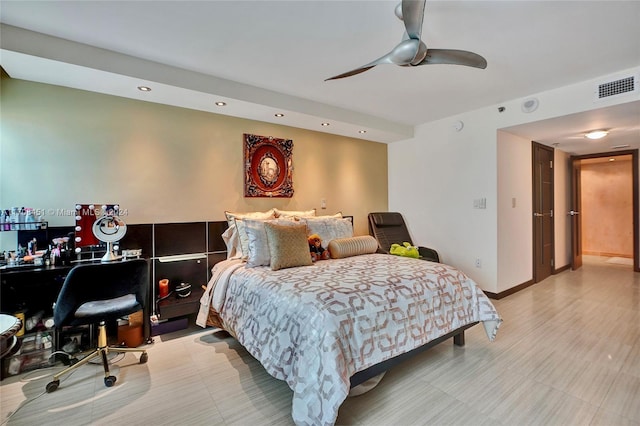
x=568 y=353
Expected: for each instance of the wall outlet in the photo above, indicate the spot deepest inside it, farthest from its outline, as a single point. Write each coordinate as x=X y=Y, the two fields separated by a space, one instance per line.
x=323 y=204
x=478 y=262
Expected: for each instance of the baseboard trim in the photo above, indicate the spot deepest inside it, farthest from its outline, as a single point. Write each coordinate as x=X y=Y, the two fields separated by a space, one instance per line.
x=510 y=291
x=523 y=285
x=607 y=254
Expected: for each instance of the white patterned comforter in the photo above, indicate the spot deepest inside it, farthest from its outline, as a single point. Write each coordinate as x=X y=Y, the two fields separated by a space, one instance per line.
x=315 y=326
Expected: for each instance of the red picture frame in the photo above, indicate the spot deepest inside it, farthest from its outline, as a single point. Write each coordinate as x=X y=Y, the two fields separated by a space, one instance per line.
x=268 y=166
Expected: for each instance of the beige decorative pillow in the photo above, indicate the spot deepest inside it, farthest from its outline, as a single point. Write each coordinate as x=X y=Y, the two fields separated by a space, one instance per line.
x=329 y=228
x=354 y=246
x=288 y=246
x=295 y=213
x=258 y=246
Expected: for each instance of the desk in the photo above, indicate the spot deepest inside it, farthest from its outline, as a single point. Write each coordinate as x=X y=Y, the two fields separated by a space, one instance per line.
x=35 y=289
x=31 y=288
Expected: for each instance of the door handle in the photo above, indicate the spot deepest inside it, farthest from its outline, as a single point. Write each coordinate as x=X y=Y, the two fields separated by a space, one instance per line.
x=537 y=215
x=573 y=213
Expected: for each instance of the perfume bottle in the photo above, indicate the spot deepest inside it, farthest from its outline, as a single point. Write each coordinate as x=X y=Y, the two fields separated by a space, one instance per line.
x=21 y=218
x=6 y=220
x=14 y=218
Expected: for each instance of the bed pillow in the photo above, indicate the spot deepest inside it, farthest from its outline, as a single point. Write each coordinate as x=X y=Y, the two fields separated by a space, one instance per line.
x=346 y=247
x=239 y=241
x=258 y=246
x=295 y=213
x=242 y=237
x=232 y=241
x=329 y=216
x=288 y=246
x=231 y=216
x=329 y=228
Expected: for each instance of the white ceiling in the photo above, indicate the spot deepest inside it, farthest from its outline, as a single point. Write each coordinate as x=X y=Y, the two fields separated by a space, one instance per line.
x=263 y=57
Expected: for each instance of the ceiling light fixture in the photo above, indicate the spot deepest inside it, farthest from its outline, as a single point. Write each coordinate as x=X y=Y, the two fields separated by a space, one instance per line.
x=324 y=124
x=596 y=134
x=362 y=132
x=220 y=103
x=144 y=88
x=279 y=115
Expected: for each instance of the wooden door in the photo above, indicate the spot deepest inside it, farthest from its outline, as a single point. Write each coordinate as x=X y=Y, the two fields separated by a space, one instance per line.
x=543 y=233
x=574 y=213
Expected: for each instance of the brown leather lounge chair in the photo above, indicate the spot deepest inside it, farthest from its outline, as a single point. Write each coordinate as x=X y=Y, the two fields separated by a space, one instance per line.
x=389 y=228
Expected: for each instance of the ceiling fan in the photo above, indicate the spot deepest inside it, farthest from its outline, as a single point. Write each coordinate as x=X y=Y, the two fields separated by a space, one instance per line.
x=412 y=51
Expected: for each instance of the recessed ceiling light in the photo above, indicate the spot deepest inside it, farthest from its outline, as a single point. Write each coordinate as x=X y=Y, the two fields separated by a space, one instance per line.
x=362 y=132
x=144 y=88
x=279 y=115
x=325 y=124
x=220 y=103
x=597 y=134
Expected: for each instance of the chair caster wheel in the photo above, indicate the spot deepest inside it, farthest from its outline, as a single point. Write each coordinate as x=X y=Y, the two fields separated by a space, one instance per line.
x=52 y=386
x=144 y=358
x=109 y=381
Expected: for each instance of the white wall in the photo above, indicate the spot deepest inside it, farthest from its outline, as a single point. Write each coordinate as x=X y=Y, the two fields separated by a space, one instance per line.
x=435 y=176
x=515 y=206
x=433 y=180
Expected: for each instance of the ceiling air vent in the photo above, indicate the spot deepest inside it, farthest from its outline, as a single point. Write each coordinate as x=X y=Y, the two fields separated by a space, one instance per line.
x=617 y=87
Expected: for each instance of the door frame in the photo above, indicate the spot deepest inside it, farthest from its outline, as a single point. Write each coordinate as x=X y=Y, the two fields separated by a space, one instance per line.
x=636 y=197
x=576 y=208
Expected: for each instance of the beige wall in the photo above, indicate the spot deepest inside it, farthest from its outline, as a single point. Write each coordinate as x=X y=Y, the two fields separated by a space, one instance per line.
x=64 y=146
x=607 y=211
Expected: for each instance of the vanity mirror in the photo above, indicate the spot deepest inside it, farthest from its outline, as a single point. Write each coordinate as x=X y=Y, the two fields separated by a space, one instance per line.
x=98 y=224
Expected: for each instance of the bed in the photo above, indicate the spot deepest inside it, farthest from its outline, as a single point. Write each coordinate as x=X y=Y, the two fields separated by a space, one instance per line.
x=328 y=326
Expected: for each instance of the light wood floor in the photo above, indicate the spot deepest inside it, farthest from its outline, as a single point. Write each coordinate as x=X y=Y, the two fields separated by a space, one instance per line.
x=568 y=353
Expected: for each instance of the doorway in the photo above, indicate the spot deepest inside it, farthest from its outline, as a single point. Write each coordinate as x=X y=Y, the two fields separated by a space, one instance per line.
x=600 y=229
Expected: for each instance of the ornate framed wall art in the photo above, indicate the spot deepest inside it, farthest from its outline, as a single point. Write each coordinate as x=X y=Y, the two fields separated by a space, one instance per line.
x=268 y=166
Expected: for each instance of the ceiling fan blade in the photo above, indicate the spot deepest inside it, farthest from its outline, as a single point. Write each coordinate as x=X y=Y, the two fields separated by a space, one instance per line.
x=350 y=73
x=413 y=15
x=454 y=57
x=386 y=59
x=402 y=54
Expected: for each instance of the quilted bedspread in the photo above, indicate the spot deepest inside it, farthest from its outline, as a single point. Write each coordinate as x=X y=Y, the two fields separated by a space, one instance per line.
x=315 y=326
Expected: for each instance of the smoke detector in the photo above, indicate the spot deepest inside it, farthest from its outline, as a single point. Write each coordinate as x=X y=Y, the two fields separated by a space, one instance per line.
x=530 y=105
